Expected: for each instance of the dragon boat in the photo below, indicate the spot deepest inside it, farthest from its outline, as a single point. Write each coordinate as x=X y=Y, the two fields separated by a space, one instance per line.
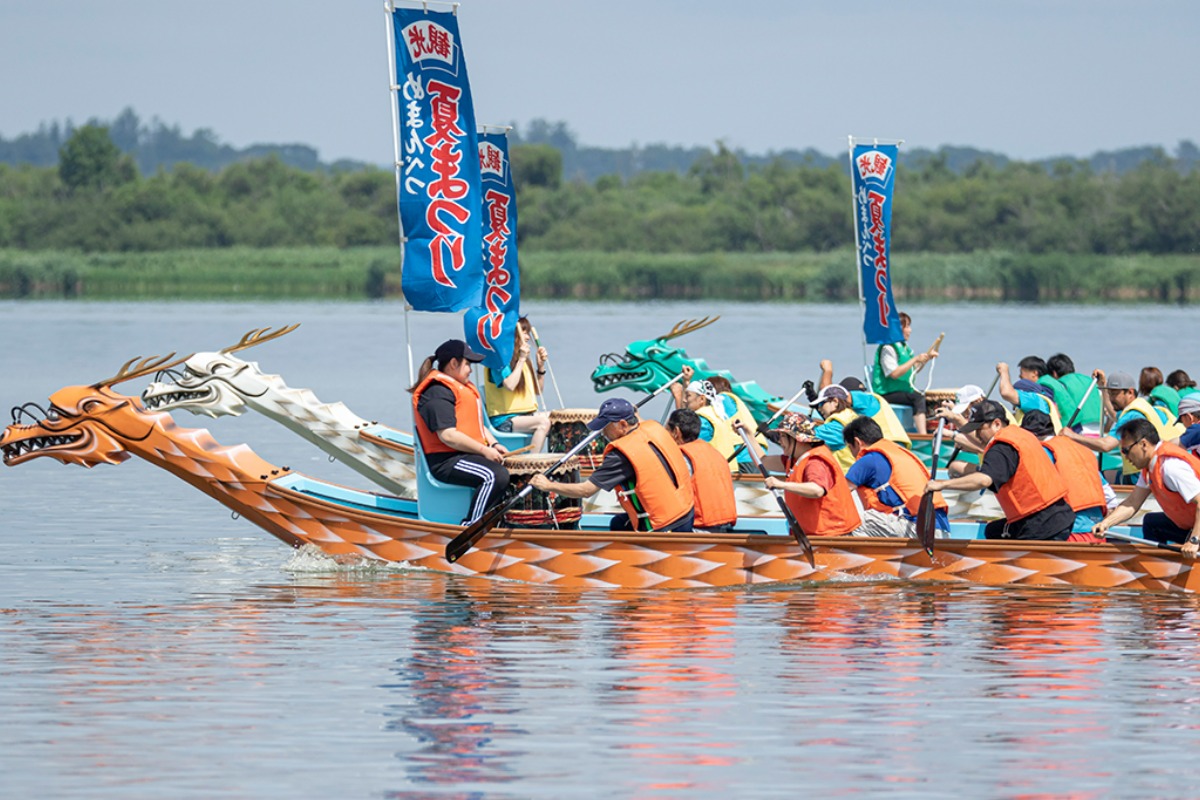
x=216 y=384
x=94 y=424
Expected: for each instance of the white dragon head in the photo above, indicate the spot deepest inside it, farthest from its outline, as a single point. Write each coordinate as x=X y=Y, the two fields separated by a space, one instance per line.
x=215 y=384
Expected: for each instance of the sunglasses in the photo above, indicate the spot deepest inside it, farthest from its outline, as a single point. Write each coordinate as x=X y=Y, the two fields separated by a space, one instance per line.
x=1125 y=450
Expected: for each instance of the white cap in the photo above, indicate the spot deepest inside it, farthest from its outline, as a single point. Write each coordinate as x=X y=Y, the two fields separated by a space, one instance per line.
x=966 y=395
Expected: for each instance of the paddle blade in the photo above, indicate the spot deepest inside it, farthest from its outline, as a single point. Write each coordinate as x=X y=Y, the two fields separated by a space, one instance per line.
x=926 y=522
x=460 y=544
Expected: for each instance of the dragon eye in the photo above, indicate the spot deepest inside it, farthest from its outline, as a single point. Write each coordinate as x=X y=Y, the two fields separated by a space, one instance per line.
x=52 y=414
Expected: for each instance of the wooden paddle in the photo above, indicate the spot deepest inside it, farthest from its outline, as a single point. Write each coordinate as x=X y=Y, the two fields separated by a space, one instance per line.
x=793 y=526
x=491 y=518
x=763 y=427
x=926 y=512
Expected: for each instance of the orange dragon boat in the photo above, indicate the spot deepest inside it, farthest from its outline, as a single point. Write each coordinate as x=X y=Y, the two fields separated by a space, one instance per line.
x=91 y=425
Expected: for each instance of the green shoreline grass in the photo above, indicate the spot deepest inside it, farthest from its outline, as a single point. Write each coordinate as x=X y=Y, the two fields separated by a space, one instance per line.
x=373 y=272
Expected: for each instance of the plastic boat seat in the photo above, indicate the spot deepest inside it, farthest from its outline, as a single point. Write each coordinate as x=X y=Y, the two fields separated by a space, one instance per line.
x=511 y=441
x=438 y=501
x=905 y=415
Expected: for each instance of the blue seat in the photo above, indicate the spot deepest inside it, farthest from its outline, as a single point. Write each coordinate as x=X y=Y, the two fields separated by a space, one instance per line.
x=511 y=441
x=905 y=415
x=438 y=501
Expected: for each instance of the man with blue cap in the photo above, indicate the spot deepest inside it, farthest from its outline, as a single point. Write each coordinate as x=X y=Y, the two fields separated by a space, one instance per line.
x=643 y=464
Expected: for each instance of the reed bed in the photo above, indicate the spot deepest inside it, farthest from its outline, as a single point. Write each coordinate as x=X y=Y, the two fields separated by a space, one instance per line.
x=374 y=272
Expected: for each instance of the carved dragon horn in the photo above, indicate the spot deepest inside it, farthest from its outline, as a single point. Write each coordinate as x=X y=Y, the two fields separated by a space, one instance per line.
x=689 y=325
x=258 y=336
x=146 y=366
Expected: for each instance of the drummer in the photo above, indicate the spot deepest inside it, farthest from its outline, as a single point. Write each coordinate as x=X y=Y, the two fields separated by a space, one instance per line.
x=510 y=394
x=646 y=467
x=448 y=416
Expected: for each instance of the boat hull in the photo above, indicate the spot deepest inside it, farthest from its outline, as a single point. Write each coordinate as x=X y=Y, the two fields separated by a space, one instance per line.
x=609 y=560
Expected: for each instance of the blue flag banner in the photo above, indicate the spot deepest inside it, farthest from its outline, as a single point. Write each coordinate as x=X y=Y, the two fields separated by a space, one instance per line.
x=873 y=168
x=438 y=174
x=490 y=329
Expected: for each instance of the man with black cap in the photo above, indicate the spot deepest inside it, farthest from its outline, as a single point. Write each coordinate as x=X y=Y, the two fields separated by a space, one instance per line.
x=1121 y=403
x=646 y=467
x=448 y=417
x=1019 y=471
x=1088 y=494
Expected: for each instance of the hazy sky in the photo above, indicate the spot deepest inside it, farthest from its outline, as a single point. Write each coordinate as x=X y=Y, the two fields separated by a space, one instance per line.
x=1028 y=78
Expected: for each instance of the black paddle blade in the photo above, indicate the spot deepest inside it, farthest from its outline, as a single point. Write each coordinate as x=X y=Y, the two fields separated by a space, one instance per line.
x=460 y=544
x=926 y=522
x=805 y=545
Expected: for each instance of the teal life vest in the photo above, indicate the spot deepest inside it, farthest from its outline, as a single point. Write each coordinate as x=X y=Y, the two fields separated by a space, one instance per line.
x=1068 y=391
x=1163 y=395
x=881 y=382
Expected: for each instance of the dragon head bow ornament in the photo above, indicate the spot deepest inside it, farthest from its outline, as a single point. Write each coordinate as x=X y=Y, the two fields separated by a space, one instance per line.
x=649 y=363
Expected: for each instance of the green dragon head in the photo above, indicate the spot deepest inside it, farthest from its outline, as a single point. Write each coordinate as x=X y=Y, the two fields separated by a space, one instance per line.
x=650 y=363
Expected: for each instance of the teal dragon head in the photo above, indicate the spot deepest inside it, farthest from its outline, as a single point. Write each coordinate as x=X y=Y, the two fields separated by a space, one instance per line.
x=649 y=363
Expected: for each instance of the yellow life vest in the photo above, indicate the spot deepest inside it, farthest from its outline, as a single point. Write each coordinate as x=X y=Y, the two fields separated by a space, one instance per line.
x=502 y=402
x=747 y=419
x=890 y=424
x=843 y=456
x=724 y=439
x=1017 y=416
x=1167 y=431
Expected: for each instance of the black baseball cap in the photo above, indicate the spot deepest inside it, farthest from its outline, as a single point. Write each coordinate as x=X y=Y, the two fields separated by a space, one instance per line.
x=455 y=348
x=985 y=412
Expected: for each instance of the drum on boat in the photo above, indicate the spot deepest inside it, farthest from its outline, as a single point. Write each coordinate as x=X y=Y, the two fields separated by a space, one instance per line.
x=935 y=397
x=568 y=427
x=537 y=509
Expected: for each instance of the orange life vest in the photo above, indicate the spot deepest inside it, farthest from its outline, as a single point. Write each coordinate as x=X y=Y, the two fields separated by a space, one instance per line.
x=909 y=476
x=468 y=413
x=1036 y=484
x=1079 y=470
x=664 y=494
x=832 y=515
x=1177 y=509
x=712 y=485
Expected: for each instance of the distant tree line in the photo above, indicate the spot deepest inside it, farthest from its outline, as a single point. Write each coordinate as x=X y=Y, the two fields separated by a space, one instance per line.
x=98 y=198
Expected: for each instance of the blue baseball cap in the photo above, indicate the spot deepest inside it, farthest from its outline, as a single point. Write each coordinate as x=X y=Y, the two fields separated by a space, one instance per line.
x=611 y=410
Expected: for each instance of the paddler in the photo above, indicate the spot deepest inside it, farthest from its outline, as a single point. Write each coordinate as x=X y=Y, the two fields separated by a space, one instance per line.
x=735 y=410
x=1172 y=475
x=448 y=416
x=1069 y=388
x=1122 y=404
x=1157 y=393
x=716 y=428
x=895 y=367
x=1189 y=416
x=834 y=406
x=890 y=481
x=646 y=467
x=815 y=489
x=1019 y=471
x=1088 y=494
x=712 y=485
x=1181 y=382
x=1026 y=394
x=869 y=404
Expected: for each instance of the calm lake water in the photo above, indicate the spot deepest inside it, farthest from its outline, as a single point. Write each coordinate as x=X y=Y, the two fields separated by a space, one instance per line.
x=151 y=646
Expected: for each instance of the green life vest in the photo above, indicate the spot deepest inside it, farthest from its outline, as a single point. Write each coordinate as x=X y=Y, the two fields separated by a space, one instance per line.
x=1068 y=391
x=1163 y=395
x=881 y=383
